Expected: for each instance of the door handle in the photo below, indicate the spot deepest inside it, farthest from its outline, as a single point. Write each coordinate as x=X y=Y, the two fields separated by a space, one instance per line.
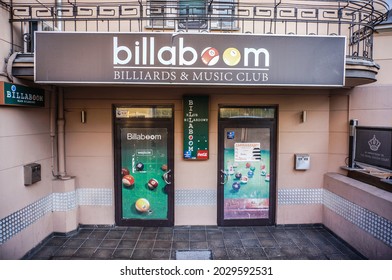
x=225 y=178
x=166 y=177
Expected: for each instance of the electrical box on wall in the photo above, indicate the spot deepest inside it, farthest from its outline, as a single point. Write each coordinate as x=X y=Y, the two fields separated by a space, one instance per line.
x=32 y=173
x=302 y=161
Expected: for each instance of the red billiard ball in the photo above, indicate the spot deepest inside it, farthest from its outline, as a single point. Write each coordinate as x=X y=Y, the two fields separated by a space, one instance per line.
x=128 y=180
x=267 y=177
x=244 y=179
x=210 y=56
x=152 y=184
x=124 y=171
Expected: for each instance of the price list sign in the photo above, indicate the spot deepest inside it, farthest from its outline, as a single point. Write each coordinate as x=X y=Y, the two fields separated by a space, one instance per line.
x=196 y=127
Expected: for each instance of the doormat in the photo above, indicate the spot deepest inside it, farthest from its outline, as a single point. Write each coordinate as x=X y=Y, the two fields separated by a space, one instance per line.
x=194 y=255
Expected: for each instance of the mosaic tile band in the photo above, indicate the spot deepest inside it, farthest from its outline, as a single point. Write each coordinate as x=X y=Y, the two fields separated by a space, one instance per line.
x=375 y=225
x=300 y=196
x=195 y=197
x=18 y=221
x=56 y=202
x=370 y=222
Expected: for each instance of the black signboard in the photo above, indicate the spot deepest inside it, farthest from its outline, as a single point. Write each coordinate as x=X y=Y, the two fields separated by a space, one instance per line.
x=189 y=59
x=374 y=146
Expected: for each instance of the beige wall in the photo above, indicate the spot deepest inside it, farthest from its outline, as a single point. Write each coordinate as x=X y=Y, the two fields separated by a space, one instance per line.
x=89 y=146
x=372 y=104
x=24 y=138
x=338 y=131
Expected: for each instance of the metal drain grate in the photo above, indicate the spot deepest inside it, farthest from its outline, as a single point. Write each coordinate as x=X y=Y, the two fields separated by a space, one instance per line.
x=194 y=255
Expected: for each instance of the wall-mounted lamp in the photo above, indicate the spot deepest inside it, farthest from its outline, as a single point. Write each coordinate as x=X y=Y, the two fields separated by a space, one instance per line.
x=83 y=116
x=304 y=116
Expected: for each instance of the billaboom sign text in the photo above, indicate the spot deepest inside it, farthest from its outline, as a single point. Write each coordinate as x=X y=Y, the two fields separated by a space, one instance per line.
x=145 y=53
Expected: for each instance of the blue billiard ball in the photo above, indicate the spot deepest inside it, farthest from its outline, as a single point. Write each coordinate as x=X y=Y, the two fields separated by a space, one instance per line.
x=139 y=166
x=250 y=173
x=236 y=186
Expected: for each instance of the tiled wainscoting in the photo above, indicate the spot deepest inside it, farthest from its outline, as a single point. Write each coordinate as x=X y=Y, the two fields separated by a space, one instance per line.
x=55 y=202
x=373 y=224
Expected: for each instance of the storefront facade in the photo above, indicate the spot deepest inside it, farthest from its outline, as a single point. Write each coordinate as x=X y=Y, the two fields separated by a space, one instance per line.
x=169 y=129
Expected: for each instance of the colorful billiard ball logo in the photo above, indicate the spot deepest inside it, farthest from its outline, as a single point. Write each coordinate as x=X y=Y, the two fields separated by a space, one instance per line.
x=128 y=180
x=142 y=205
x=210 y=56
x=152 y=184
x=231 y=56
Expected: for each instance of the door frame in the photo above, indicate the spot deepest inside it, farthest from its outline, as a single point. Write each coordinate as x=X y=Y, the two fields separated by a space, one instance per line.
x=119 y=123
x=246 y=122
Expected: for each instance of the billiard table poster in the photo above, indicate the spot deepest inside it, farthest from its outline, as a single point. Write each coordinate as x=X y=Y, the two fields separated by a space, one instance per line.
x=144 y=163
x=247 y=169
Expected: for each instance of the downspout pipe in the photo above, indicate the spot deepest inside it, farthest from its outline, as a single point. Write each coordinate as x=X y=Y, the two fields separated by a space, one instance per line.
x=53 y=113
x=62 y=173
x=59 y=24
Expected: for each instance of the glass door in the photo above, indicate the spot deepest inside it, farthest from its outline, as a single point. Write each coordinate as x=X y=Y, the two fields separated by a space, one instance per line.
x=144 y=166
x=246 y=187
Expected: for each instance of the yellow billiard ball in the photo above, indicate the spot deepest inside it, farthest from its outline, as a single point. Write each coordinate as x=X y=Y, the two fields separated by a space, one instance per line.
x=231 y=56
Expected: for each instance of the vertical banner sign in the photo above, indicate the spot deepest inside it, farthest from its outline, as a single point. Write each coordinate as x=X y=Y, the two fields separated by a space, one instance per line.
x=195 y=127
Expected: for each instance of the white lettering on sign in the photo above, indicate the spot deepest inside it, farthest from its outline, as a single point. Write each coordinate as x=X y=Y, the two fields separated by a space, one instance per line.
x=190 y=125
x=135 y=136
x=24 y=96
x=145 y=53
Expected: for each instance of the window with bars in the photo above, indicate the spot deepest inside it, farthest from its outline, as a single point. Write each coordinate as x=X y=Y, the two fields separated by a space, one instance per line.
x=224 y=13
x=161 y=13
x=192 y=14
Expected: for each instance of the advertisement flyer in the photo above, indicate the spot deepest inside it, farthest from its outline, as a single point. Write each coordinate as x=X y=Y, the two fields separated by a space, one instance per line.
x=144 y=163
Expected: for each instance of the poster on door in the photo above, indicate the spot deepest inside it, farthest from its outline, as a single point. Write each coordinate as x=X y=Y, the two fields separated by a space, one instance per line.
x=247 y=174
x=144 y=166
